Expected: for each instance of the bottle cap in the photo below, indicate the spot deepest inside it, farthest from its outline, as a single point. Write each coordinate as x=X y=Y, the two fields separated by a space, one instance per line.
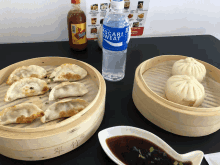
x=75 y=1
x=117 y=4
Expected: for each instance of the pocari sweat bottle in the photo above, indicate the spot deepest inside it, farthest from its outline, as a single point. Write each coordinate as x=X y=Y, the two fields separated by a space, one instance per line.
x=115 y=42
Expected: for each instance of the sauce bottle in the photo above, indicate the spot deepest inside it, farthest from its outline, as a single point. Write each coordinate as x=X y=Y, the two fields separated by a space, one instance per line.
x=76 y=22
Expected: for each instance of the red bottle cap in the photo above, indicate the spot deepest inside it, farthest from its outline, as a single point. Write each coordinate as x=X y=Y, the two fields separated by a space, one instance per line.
x=75 y=1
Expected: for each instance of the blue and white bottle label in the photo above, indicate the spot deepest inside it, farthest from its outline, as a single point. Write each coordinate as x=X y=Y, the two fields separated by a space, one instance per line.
x=115 y=39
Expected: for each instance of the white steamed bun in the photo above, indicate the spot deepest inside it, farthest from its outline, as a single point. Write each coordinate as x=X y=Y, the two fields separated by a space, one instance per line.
x=185 y=90
x=190 y=67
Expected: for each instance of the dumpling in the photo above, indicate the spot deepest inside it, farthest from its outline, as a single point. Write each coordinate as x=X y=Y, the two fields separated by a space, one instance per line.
x=64 y=108
x=67 y=89
x=190 y=67
x=68 y=72
x=26 y=87
x=22 y=113
x=26 y=71
x=185 y=90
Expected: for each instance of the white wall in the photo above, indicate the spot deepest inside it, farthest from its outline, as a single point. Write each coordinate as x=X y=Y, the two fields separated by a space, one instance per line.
x=183 y=17
x=45 y=20
x=33 y=20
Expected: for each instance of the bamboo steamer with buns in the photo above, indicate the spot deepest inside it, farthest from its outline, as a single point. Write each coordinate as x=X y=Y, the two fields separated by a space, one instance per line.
x=150 y=99
x=39 y=141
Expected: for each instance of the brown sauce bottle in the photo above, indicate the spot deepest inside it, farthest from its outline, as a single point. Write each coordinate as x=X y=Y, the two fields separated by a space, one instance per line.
x=76 y=22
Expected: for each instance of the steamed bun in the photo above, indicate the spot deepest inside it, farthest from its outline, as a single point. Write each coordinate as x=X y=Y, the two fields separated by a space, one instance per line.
x=185 y=90
x=190 y=67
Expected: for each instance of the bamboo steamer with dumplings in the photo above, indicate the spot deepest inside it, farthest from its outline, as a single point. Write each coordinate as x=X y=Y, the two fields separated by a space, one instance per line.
x=39 y=141
x=149 y=97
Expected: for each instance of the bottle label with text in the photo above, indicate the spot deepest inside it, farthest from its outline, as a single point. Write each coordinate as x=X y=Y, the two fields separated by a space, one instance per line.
x=115 y=39
x=78 y=33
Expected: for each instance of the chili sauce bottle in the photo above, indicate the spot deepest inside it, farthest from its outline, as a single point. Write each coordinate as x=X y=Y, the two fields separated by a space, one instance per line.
x=76 y=22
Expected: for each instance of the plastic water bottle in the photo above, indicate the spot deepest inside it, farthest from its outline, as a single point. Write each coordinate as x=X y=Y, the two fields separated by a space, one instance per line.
x=115 y=42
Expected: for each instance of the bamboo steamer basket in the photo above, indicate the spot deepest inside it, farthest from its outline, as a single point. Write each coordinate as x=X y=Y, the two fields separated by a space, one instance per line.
x=178 y=119
x=56 y=138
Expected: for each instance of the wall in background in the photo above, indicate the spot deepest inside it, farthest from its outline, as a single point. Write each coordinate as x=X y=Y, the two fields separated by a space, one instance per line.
x=33 y=21
x=183 y=17
x=45 y=20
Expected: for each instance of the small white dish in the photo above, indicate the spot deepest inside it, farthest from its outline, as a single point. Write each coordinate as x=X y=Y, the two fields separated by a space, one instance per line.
x=195 y=157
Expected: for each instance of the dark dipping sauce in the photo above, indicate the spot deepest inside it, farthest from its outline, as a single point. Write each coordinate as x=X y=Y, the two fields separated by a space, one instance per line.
x=138 y=151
